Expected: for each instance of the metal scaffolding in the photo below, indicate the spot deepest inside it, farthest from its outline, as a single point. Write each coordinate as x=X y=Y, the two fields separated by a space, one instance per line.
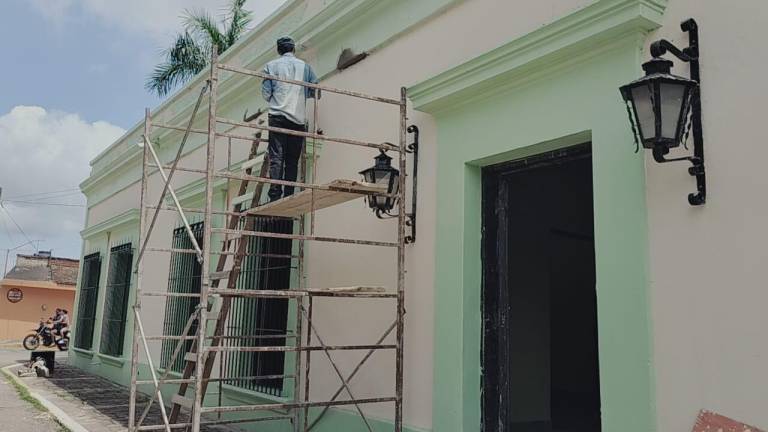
x=199 y=343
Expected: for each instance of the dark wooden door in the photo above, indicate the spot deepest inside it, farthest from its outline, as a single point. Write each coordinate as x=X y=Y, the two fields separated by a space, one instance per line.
x=540 y=356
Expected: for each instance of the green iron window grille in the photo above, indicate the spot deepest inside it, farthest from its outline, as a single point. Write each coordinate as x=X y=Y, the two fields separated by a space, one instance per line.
x=184 y=277
x=89 y=292
x=116 y=300
x=254 y=317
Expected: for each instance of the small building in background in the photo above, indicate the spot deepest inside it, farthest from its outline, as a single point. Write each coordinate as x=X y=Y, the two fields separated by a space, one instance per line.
x=33 y=289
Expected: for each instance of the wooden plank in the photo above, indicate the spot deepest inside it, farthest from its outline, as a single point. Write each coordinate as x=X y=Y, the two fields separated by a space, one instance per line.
x=340 y=191
x=713 y=422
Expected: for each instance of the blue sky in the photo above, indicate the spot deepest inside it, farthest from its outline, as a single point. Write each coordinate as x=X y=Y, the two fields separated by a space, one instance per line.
x=79 y=64
x=72 y=82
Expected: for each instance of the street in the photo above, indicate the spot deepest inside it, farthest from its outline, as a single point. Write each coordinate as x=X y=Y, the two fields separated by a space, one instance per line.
x=19 y=415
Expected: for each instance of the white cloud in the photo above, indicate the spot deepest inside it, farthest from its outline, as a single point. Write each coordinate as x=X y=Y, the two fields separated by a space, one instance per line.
x=44 y=151
x=158 y=19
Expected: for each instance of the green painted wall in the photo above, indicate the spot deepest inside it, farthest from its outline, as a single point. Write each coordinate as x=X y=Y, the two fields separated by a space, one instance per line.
x=569 y=106
x=122 y=229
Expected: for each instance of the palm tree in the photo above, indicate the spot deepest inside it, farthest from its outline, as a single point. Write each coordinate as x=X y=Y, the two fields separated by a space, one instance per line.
x=192 y=48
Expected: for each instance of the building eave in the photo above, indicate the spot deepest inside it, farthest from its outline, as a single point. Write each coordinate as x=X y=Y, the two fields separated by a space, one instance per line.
x=20 y=283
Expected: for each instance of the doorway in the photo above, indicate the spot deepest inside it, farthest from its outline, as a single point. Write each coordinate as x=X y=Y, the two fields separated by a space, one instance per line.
x=540 y=350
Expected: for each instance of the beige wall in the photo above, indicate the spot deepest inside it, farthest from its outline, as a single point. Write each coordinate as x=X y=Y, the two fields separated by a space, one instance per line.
x=22 y=318
x=708 y=263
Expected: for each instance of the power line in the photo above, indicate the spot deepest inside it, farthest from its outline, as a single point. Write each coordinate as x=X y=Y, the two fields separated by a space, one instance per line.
x=43 y=203
x=7 y=231
x=29 y=195
x=14 y=222
x=44 y=198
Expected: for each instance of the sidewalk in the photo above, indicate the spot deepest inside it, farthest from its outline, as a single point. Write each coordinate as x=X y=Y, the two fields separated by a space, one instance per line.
x=95 y=403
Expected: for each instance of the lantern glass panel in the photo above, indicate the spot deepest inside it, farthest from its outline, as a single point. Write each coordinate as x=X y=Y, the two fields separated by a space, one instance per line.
x=382 y=176
x=380 y=201
x=646 y=120
x=672 y=101
x=368 y=175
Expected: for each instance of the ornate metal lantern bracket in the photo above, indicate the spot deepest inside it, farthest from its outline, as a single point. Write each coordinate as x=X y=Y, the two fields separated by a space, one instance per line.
x=689 y=54
x=413 y=148
x=410 y=217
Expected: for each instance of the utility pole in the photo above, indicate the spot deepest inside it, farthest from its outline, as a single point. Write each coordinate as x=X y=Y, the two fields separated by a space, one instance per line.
x=9 y=250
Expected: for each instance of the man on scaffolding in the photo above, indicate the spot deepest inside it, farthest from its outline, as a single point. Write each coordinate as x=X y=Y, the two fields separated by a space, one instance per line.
x=287 y=110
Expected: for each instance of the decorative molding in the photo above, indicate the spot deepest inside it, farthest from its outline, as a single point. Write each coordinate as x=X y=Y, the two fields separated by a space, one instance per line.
x=577 y=35
x=195 y=190
x=82 y=352
x=129 y=216
x=110 y=360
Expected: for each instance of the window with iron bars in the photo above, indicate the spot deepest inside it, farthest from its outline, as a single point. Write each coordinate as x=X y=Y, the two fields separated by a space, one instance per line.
x=184 y=277
x=259 y=321
x=116 y=300
x=89 y=292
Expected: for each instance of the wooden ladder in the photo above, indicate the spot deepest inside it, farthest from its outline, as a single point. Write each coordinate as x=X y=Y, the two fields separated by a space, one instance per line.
x=190 y=359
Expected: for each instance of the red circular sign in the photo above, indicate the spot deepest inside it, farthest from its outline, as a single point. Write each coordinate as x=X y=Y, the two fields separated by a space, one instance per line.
x=15 y=295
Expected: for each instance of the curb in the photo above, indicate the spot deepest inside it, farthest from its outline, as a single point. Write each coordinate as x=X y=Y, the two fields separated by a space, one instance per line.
x=55 y=411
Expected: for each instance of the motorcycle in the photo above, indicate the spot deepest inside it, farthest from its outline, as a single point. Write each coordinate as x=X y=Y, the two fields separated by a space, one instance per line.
x=44 y=334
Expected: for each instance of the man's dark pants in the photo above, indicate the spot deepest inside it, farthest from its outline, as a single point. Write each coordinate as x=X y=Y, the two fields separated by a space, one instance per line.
x=284 y=151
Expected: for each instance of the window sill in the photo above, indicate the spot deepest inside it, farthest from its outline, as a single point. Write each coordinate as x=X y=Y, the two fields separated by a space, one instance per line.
x=249 y=396
x=240 y=395
x=112 y=361
x=82 y=352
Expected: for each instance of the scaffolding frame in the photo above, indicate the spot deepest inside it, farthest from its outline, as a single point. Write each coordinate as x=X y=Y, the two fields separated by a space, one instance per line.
x=206 y=345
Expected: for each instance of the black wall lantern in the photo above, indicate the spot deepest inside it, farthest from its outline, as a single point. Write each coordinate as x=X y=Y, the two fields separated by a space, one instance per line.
x=382 y=172
x=664 y=108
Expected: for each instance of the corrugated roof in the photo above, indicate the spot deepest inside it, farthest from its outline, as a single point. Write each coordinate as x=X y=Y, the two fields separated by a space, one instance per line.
x=41 y=268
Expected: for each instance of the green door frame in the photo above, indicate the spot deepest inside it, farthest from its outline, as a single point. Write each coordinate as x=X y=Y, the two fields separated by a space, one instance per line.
x=549 y=89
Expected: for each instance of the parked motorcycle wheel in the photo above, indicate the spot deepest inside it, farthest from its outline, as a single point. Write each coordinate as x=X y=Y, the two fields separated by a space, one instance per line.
x=31 y=342
x=63 y=344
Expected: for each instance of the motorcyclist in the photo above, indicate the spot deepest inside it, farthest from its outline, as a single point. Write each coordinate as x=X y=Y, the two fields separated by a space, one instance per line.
x=60 y=321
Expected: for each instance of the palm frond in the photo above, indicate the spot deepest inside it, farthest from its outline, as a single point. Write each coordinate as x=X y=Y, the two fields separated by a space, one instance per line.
x=191 y=49
x=239 y=18
x=204 y=28
x=185 y=59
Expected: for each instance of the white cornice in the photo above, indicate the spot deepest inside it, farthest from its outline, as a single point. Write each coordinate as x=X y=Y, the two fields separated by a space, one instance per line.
x=127 y=217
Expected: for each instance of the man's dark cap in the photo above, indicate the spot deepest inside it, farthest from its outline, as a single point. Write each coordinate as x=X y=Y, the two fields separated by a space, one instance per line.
x=286 y=42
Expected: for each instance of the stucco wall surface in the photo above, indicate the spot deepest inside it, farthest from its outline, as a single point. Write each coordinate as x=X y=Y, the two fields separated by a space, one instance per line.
x=22 y=318
x=708 y=263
